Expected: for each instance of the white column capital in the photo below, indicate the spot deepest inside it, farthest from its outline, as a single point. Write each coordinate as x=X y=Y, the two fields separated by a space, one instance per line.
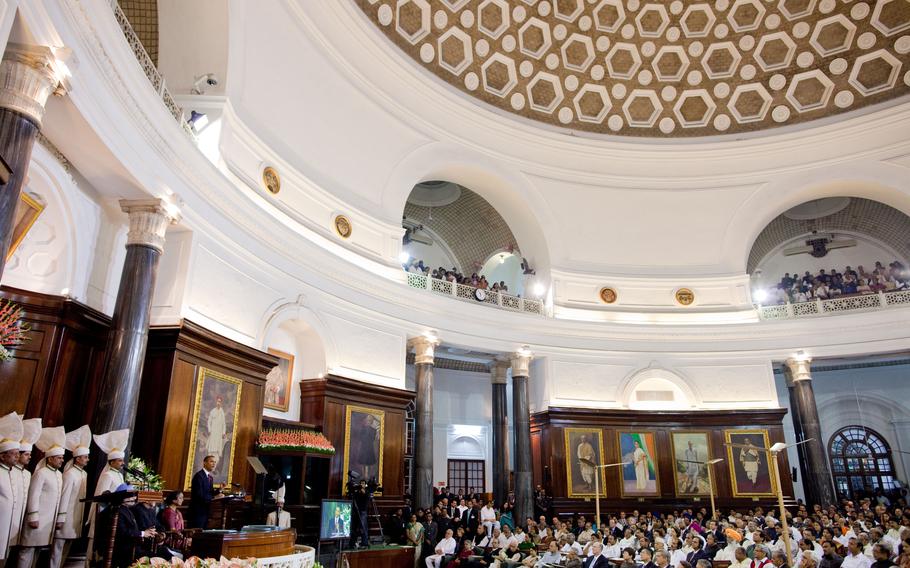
x=799 y=369
x=424 y=349
x=28 y=76
x=149 y=220
x=521 y=363
x=499 y=371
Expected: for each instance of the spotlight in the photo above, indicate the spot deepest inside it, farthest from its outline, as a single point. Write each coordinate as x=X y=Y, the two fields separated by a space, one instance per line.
x=202 y=82
x=404 y=257
x=197 y=120
x=760 y=295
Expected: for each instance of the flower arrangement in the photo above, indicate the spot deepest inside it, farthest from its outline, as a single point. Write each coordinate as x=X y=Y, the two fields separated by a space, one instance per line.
x=12 y=331
x=295 y=440
x=149 y=480
x=195 y=562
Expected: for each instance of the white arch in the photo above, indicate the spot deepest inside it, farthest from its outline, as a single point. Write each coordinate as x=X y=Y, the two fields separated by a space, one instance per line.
x=509 y=192
x=630 y=385
x=880 y=181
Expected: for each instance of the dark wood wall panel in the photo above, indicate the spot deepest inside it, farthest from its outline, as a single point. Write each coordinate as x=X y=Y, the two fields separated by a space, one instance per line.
x=549 y=454
x=324 y=402
x=56 y=374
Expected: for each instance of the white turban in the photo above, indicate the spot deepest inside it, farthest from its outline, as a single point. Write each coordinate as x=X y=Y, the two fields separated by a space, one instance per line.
x=10 y=432
x=78 y=441
x=113 y=443
x=52 y=441
x=31 y=429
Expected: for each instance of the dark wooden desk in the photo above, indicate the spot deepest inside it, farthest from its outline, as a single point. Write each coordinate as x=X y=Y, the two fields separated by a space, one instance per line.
x=211 y=544
x=397 y=557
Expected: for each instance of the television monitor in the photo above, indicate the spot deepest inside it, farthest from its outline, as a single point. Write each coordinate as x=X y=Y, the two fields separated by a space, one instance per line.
x=336 y=519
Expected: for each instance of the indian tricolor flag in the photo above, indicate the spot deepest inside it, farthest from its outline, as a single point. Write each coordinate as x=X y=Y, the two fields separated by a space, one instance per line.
x=646 y=442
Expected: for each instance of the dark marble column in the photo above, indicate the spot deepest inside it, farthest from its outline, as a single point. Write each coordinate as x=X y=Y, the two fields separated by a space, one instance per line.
x=27 y=79
x=524 y=483
x=424 y=352
x=149 y=219
x=817 y=481
x=498 y=373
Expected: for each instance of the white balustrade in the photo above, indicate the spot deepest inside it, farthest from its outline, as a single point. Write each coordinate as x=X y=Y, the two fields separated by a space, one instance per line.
x=841 y=304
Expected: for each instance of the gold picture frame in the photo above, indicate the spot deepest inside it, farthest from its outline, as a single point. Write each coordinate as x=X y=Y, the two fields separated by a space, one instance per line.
x=677 y=463
x=211 y=386
x=367 y=454
x=742 y=484
x=573 y=466
x=273 y=397
x=27 y=212
x=625 y=440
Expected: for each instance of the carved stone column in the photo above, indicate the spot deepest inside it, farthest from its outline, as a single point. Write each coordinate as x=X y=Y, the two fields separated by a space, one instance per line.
x=498 y=374
x=27 y=79
x=813 y=461
x=149 y=219
x=424 y=353
x=524 y=485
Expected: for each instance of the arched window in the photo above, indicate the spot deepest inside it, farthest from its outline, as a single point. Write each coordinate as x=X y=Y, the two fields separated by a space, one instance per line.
x=861 y=462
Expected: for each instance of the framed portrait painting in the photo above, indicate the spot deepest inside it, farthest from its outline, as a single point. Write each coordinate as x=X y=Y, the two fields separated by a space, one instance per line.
x=214 y=430
x=583 y=444
x=691 y=452
x=639 y=476
x=364 y=432
x=750 y=469
x=278 y=382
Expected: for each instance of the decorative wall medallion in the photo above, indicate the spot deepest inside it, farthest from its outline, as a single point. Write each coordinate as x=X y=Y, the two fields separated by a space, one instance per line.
x=685 y=296
x=608 y=295
x=343 y=226
x=271 y=180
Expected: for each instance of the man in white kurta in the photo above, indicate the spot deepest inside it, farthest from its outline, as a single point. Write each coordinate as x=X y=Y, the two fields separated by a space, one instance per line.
x=42 y=513
x=10 y=433
x=217 y=427
x=22 y=478
x=75 y=481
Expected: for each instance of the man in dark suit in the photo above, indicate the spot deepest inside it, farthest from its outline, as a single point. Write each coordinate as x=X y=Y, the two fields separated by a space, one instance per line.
x=202 y=493
x=597 y=558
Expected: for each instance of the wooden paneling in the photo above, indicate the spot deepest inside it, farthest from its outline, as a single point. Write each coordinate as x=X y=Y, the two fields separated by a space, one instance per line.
x=167 y=397
x=550 y=459
x=56 y=374
x=324 y=402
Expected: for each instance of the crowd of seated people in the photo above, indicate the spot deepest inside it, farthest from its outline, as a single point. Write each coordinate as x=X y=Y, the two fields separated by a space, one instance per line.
x=827 y=284
x=453 y=275
x=466 y=531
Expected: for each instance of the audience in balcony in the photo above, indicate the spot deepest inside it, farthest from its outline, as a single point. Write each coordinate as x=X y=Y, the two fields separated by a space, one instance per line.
x=863 y=534
x=833 y=284
x=453 y=275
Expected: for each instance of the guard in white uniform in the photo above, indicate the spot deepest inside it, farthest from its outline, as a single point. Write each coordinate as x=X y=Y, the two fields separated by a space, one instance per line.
x=10 y=434
x=22 y=478
x=42 y=513
x=75 y=481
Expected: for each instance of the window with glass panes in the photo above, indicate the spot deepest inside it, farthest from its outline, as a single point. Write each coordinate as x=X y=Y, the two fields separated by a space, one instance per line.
x=465 y=475
x=860 y=462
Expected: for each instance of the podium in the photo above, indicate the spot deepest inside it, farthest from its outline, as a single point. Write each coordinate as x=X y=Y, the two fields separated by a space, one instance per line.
x=243 y=544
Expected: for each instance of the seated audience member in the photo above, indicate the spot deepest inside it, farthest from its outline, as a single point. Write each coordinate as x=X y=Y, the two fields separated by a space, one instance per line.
x=444 y=548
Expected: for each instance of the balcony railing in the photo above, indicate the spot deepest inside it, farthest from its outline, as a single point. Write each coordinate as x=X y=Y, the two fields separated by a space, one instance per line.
x=148 y=67
x=467 y=293
x=843 y=304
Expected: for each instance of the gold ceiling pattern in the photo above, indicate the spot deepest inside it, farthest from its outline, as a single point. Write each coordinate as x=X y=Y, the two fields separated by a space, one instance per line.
x=659 y=68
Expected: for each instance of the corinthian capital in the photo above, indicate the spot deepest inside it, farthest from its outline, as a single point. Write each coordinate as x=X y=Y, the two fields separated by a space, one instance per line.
x=424 y=349
x=149 y=219
x=27 y=78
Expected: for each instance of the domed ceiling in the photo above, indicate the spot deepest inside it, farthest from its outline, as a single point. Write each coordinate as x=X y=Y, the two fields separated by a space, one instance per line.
x=668 y=68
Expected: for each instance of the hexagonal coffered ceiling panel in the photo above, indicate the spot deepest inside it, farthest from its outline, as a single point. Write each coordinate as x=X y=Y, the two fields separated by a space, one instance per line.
x=659 y=68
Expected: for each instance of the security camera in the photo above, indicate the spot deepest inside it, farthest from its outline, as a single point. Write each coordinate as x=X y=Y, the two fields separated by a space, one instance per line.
x=204 y=81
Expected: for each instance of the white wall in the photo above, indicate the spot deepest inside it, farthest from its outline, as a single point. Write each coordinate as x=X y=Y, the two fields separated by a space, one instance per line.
x=865 y=253
x=870 y=396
